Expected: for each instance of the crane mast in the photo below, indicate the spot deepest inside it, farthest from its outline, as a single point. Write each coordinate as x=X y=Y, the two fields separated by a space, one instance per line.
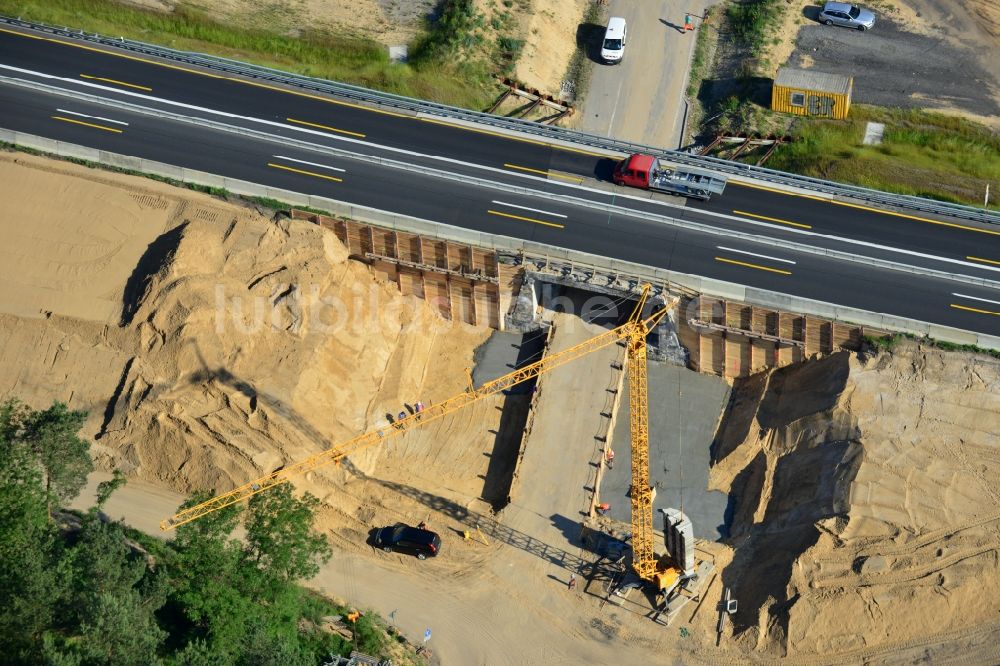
x=633 y=331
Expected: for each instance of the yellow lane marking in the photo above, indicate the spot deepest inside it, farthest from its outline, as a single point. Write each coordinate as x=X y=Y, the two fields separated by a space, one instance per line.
x=977 y=310
x=326 y=127
x=120 y=83
x=757 y=266
x=307 y=173
x=112 y=53
x=306 y=95
x=777 y=191
x=21 y=34
x=310 y=96
x=547 y=174
x=773 y=219
x=953 y=225
x=985 y=261
x=513 y=138
x=526 y=219
x=80 y=122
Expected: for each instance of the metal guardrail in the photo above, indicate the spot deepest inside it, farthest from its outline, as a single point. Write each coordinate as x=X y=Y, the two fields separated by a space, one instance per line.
x=556 y=134
x=431 y=229
x=685 y=224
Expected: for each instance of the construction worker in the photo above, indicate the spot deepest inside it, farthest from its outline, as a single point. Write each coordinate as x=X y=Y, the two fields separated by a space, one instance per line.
x=609 y=458
x=571 y=583
x=603 y=508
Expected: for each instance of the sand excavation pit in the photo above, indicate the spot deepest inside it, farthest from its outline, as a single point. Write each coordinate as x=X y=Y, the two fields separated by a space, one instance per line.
x=866 y=517
x=211 y=345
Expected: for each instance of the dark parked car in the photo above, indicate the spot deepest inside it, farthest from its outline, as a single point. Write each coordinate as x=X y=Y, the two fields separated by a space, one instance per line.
x=405 y=539
x=847 y=15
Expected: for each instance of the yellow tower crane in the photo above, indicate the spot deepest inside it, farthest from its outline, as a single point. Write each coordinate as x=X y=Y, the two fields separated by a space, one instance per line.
x=633 y=332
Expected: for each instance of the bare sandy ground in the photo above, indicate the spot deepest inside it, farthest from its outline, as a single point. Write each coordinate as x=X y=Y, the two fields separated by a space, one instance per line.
x=890 y=63
x=550 y=41
x=866 y=518
x=389 y=22
x=865 y=522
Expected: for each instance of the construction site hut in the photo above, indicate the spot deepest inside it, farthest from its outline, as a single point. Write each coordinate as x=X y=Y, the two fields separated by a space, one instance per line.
x=810 y=93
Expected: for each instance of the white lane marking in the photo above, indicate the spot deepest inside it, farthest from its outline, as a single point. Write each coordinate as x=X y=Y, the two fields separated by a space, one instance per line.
x=315 y=164
x=754 y=254
x=533 y=210
x=614 y=194
x=976 y=298
x=84 y=115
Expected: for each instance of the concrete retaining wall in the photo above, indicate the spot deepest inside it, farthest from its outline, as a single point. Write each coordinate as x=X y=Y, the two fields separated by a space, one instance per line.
x=430 y=229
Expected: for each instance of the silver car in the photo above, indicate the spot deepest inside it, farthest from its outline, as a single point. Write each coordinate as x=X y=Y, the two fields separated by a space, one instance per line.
x=847 y=15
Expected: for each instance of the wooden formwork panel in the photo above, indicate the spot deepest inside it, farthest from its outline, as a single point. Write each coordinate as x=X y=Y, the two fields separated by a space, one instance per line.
x=712 y=310
x=713 y=353
x=487 y=304
x=739 y=315
x=786 y=329
x=510 y=277
x=360 y=236
x=484 y=262
x=461 y=257
x=386 y=270
x=688 y=336
x=846 y=337
x=463 y=304
x=411 y=282
x=383 y=242
x=812 y=337
x=737 y=351
x=436 y=292
x=435 y=253
x=408 y=247
x=762 y=355
x=826 y=337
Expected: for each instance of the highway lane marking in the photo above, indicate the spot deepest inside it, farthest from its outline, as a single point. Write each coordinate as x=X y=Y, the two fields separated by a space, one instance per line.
x=526 y=219
x=448 y=160
x=84 y=115
x=754 y=254
x=977 y=310
x=976 y=298
x=315 y=164
x=338 y=102
x=917 y=218
x=80 y=122
x=478 y=130
x=533 y=210
x=112 y=53
x=326 y=127
x=773 y=219
x=547 y=174
x=307 y=173
x=117 y=82
x=757 y=266
x=987 y=261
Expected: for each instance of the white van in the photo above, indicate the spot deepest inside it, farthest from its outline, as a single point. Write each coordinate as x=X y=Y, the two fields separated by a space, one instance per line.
x=613 y=47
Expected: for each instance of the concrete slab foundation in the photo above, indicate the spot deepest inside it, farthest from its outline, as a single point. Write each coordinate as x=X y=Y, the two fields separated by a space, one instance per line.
x=684 y=411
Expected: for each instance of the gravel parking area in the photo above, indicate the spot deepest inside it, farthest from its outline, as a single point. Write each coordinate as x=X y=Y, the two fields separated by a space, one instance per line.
x=895 y=68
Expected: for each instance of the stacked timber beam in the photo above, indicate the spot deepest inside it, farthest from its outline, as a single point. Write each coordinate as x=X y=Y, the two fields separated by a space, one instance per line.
x=461 y=282
x=477 y=286
x=734 y=339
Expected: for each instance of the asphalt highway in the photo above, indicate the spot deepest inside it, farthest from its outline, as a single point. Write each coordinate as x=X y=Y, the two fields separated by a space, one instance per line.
x=569 y=185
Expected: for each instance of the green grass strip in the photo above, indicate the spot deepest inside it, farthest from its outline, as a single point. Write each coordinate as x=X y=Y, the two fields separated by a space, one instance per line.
x=338 y=57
